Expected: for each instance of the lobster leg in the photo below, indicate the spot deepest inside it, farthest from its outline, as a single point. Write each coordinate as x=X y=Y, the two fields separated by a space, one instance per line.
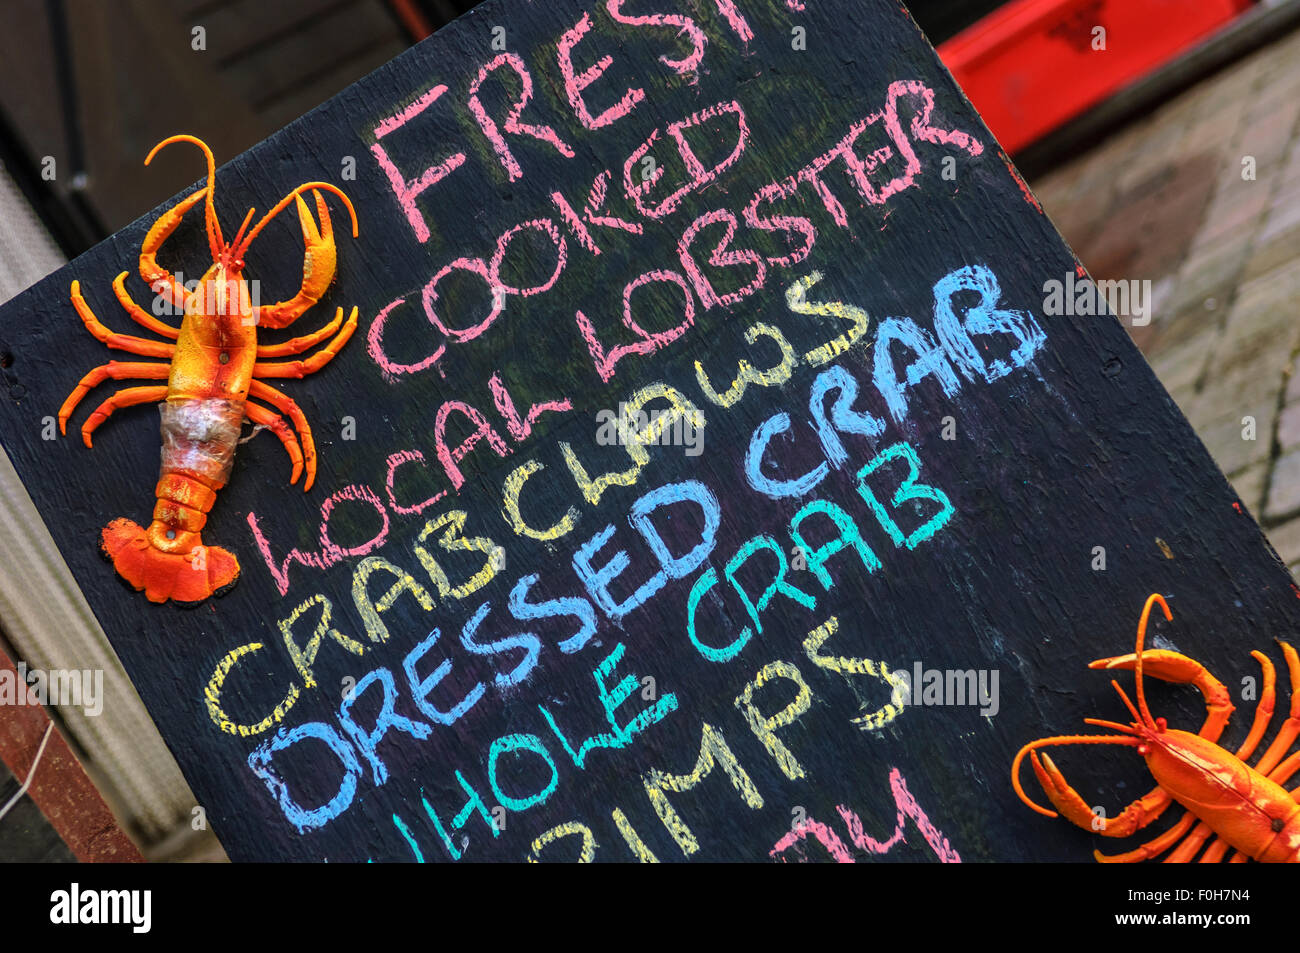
x=123 y=398
x=1291 y=727
x=1214 y=853
x=283 y=403
x=155 y=276
x=1185 y=851
x=1284 y=771
x=1151 y=848
x=119 y=342
x=300 y=344
x=275 y=423
x=138 y=314
x=314 y=363
x=113 y=370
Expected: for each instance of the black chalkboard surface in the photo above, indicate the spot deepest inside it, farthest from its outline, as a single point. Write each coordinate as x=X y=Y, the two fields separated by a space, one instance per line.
x=706 y=478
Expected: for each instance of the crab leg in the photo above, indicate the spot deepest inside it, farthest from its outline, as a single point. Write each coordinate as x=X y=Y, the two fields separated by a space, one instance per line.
x=138 y=314
x=119 y=342
x=123 y=398
x=113 y=370
x=260 y=415
x=314 y=363
x=283 y=403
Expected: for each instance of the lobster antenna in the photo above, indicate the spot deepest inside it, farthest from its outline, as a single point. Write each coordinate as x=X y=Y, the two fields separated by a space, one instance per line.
x=216 y=243
x=1125 y=699
x=240 y=234
x=1141 y=637
x=1059 y=740
x=284 y=203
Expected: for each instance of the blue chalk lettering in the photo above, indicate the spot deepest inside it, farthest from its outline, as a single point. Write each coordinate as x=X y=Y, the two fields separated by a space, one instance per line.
x=909 y=489
x=597 y=580
x=983 y=318
x=692 y=491
x=777 y=489
x=849 y=536
x=366 y=741
x=574 y=606
x=420 y=689
x=843 y=418
x=930 y=361
x=304 y=819
x=526 y=642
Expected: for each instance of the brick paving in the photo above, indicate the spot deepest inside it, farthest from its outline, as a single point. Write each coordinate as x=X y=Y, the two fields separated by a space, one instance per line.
x=1202 y=198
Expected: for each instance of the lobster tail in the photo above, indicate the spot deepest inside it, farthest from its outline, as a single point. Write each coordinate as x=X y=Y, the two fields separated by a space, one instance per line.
x=184 y=577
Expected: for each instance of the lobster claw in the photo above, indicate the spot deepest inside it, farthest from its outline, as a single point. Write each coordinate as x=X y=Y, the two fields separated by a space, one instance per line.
x=1076 y=810
x=319 y=263
x=1180 y=670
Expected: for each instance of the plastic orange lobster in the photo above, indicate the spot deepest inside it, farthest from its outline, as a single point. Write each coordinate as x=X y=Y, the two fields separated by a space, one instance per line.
x=1245 y=808
x=216 y=367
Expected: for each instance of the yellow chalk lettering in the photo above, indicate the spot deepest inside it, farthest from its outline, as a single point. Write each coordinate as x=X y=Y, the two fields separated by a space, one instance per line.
x=510 y=498
x=304 y=656
x=713 y=749
x=212 y=694
x=765 y=728
x=370 y=610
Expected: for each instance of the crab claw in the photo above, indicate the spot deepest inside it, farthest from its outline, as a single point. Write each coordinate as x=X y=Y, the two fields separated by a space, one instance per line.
x=318 y=268
x=1179 y=669
x=1076 y=810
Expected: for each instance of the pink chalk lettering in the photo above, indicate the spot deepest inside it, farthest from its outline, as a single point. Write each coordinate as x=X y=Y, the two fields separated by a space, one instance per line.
x=330 y=552
x=550 y=229
x=646 y=343
x=720 y=257
x=512 y=125
x=781 y=223
x=575 y=223
x=596 y=201
x=574 y=84
x=475 y=266
x=392 y=463
x=907 y=808
x=737 y=22
x=521 y=428
x=449 y=457
x=921 y=128
x=375 y=347
x=407 y=191
x=687 y=65
x=699 y=175
x=821 y=833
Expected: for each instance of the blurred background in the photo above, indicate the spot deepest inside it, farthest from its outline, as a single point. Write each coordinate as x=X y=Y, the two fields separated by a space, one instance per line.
x=1159 y=135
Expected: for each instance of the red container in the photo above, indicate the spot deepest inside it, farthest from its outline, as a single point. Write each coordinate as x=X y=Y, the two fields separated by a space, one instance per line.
x=1034 y=64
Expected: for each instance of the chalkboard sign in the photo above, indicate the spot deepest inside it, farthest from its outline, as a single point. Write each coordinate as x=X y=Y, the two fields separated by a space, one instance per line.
x=711 y=474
